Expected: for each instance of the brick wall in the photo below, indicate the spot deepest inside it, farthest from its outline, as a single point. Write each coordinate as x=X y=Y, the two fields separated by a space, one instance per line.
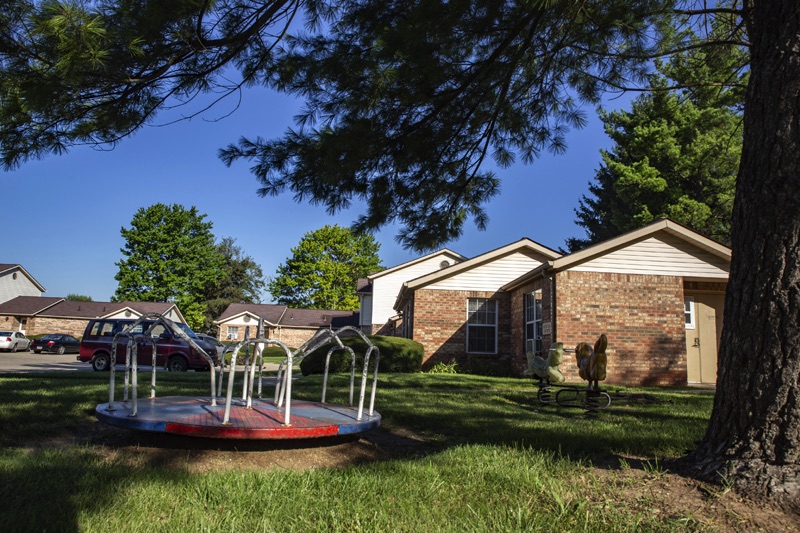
x=642 y=316
x=41 y=325
x=519 y=361
x=292 y=337
x=71 y=326
x=440 y=326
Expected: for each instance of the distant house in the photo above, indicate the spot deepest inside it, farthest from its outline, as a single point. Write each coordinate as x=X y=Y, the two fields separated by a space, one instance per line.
x=16 y=281
x=377 y=292
x=290 y=326
x=657 y=293
x=36 y=315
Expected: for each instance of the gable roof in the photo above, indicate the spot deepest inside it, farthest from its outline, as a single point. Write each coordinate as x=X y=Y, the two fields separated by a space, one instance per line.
x=663 y=225
x=61 y=308
x=271 y=313
x=281 y=315
x=444 y=251
x=522 y=244
x=318 y=318
x=6 y=267
x=27 y=305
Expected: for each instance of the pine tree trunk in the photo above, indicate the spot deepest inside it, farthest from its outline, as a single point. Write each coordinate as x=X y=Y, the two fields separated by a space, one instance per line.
x=753 y=439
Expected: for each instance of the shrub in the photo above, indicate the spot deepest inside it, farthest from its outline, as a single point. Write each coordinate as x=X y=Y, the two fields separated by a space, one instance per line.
x=396 y=355
x=441 y=367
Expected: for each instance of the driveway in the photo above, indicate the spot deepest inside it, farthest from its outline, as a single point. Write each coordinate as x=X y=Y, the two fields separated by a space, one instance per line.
x=40 y=362
x=49 y=362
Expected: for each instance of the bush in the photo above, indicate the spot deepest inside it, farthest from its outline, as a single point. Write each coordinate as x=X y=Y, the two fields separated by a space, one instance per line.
x=444 y=368
x=396 y=355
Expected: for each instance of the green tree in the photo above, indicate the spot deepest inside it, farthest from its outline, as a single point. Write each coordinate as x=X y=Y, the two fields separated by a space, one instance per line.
x=169 y=256
x=675 y=154
x=241 y=281
x=78 y=298
x=324 y=268
x=406 y=101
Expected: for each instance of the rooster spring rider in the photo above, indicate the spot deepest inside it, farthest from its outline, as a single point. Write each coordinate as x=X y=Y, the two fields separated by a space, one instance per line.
x=591 y=363
x=546 y=369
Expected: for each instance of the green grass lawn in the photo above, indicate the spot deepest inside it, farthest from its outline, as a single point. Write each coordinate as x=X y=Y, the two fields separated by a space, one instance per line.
x=492 y=460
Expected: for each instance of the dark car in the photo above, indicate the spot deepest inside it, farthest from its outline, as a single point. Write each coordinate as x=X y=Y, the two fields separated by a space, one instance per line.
x=216 y=343
x=56 y=343
x=172 y=352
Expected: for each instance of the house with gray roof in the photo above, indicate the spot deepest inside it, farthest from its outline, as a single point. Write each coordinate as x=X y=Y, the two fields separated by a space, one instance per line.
x=36 y=315
x=291 y=326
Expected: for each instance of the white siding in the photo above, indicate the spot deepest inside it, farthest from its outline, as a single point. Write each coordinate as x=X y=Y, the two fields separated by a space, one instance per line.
x=10 y=288
x=660 y=256
x=386 y=288
x=492 y=275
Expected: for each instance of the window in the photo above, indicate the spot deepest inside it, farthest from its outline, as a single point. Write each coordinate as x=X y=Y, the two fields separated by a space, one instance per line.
x=533 y=322
x=233 y=332
x=688 y=312
x=481 y=325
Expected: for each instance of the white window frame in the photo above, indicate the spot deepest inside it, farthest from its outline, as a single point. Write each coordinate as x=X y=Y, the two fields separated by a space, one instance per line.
x=487 y=325
x=533 y=317
x=233 y=332
x=689 y=312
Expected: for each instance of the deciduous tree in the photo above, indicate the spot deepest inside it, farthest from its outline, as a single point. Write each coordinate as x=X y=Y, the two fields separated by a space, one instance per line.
x=241 y=280
x=169 y=256
x=324 y=268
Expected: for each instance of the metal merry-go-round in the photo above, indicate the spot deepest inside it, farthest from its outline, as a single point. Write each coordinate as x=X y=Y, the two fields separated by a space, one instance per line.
x=245 y=416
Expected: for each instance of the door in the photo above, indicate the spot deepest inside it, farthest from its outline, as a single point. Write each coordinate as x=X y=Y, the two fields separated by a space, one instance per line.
x=703 y=316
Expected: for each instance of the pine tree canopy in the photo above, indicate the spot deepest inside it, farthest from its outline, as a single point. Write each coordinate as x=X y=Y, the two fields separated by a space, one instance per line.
x=405 y=102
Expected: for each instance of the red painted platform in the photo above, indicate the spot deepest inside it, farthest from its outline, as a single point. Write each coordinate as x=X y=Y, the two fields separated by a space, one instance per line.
x=188 y=415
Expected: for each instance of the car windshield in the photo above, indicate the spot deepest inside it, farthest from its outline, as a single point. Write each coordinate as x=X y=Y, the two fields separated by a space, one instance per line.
x=50 y=337
x=186 y=329
x=5 y=333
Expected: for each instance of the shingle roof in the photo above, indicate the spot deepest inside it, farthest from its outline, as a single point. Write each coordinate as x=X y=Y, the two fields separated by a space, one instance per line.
x=269 y=312
x=27 y=305
x=281 y=315
x=319 y=318
x=77 y=309
x=58 y=307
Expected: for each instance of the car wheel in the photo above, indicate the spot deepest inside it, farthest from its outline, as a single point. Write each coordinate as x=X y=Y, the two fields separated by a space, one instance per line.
x=14 y=348
x=101 y=362
x=177 y=364
x=61 y=350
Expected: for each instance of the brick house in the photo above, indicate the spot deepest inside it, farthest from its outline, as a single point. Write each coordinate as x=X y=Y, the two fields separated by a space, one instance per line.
x=291 y=326
x=460 y=312
x=16 y=281
x=657 y=292
x=36 y=315
x=377 y=292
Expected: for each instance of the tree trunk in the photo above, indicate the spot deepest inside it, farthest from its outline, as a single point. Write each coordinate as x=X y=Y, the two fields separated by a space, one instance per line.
x=753 y=439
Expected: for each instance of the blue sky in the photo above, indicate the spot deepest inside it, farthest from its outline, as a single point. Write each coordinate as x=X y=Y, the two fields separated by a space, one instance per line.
x=63 y=214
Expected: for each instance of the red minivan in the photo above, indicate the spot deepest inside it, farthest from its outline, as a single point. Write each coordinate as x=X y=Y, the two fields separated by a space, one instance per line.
x=173 y=353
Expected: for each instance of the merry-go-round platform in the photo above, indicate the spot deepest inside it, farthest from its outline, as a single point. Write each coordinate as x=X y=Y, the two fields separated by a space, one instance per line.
x=196 y=417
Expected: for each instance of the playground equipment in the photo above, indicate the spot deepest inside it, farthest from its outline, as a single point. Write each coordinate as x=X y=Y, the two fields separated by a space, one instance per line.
x=547 y=371
x=245 y=417
x=591 y=363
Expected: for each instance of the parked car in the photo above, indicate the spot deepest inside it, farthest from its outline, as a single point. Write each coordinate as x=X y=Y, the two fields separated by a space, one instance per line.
x=172 y=352
x=213 y=341
x=56 y=343
x=11 y=341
